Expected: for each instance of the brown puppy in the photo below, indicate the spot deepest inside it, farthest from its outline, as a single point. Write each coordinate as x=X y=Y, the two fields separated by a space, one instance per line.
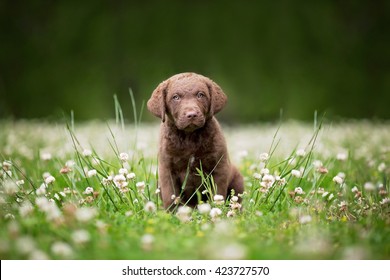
x=191 y=139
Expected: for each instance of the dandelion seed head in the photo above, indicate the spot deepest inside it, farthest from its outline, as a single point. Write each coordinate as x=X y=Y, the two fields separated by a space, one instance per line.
x=150 y=207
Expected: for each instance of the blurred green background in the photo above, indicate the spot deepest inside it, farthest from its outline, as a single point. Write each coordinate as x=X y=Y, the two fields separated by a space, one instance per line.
x=299 y=56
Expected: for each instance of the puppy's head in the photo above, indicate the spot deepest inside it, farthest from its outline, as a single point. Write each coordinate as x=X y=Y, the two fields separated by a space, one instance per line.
x=188 y=99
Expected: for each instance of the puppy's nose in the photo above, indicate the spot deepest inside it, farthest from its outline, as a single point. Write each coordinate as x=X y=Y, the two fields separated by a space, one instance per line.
x=191 y=114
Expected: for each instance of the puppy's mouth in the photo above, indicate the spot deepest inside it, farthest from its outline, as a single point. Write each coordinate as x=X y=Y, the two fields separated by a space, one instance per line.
x=190 y=126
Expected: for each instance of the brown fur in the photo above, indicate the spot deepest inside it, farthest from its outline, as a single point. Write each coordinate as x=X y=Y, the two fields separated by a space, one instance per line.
x=191 y=138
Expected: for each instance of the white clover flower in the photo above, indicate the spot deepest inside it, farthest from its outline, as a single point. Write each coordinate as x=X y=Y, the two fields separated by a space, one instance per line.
x=330 y=196
x=150 y=207
x=184 y=214
x=46 y=156
x=267 y=181
x=25 y=245
x=243 y=153
x=38 y=255
x=232 y=251
x=355 y=189
x=85 y=214
x=173 y=197
x=140 y=186
x=7 y=165
x=123 y=171
x=325 y=194
x=62 y=249
x=19 y=183
x=381 y=167
x=147 y=241
x=230 y=213
x=157 y=191
x=87 y=153
x=305 y=219
x=107 y=181
x=264 y=171
x=204 y=208
x=215 y=213
x=369 y=186
x=120 y=181
x=124 y=157
x=385 y=201
x=280 y=181
x=234 y=198
x=70 y=163
x=49 y=179
x=56 y=196
x=25 y=209
x=317 y=164
x=130 y=176
x=218 y=199
x=342 y=156
x=300 y=153
x=338 y=180
x=91 y=173
x=88 y=190
x=296 y=173
x=81 y=236
x=41 y=190
x=264 y=157
x=343 y=205
x=257 y=176
x=10 y=187
x=299 y=190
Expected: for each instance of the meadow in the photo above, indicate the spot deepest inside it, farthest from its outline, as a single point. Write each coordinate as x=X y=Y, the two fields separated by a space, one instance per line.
x=89 y=191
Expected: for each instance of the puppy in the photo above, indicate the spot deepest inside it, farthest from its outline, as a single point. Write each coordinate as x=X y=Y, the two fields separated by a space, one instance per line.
x=191 y=139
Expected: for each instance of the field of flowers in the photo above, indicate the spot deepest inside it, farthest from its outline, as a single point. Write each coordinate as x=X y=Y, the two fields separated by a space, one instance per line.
x=88 y=191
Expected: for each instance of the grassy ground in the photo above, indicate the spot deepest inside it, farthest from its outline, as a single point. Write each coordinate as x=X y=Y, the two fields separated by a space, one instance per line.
x=88 y=191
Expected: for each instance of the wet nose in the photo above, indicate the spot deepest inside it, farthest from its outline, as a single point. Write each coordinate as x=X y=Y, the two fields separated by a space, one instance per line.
x=191 y=114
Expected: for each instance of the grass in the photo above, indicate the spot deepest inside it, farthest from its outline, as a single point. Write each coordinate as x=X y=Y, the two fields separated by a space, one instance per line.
x=89 y=191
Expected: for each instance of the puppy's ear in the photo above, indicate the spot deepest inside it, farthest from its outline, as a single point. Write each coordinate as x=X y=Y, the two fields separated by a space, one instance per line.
x=156 y=103
x=218 y=97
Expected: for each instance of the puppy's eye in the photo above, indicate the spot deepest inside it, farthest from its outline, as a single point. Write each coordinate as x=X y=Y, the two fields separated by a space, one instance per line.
x=200 y=94
x=176 y=97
